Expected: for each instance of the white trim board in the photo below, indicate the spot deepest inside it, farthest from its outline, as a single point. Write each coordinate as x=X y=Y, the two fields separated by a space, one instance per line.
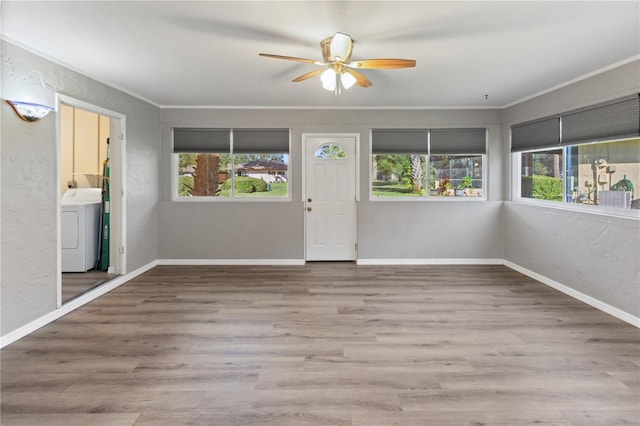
x=72 y=305
x=591 y=301
x=430 y=262
x=232 y=262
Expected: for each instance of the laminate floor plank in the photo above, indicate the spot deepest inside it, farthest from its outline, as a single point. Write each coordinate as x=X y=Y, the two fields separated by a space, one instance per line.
x=326 y=344
x=71 y=419
x=76 y=283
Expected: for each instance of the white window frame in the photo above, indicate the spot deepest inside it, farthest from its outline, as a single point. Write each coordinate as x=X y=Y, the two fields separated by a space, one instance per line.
x=233 y=199
x=427 y=196
x=516 y=190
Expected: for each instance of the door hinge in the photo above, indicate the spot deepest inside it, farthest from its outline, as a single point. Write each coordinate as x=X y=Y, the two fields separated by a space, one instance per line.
x=121 y=250
x=121 y=136
x=356 y=246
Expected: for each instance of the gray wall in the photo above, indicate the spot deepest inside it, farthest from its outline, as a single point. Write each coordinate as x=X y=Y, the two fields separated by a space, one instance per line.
x=594 y=254
x=386 y=230
x=29 y=173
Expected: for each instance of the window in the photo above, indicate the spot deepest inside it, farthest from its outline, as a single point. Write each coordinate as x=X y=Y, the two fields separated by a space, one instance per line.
x=604 y=174
x=584 y=156
x=458 y=175
x=541 y=176
x=449 y=162
x=231 y=163
x=330 y=151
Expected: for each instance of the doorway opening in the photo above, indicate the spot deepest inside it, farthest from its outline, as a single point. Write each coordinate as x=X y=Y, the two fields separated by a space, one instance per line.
x=330 y=196
x=91 y=205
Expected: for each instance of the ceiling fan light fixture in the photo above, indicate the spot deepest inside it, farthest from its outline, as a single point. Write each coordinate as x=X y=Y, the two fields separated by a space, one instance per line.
x=347 y=80
x=339 y=73
x=341 y=47
x=328 y=78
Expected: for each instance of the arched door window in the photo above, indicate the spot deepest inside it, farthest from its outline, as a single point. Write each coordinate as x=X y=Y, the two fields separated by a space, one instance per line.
x=330 y=151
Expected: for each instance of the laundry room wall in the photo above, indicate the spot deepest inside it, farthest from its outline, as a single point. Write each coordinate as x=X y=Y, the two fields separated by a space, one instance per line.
x=83 y=147
x=29 y=173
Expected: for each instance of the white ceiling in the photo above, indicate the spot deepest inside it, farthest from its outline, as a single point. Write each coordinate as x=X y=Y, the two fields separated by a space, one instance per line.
x=205 y=53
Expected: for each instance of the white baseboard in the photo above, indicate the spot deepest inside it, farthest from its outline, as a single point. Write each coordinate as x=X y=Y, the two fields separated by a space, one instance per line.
x=72 y=305
x=429 y=262
x=604 y=307
x=232 y=262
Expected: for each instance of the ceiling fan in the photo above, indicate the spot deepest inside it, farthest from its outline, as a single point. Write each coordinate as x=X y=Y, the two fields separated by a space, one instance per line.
x=339 y=71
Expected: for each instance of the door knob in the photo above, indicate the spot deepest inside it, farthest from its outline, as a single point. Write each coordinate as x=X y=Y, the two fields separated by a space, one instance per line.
x=309 y=199
x=308 y=209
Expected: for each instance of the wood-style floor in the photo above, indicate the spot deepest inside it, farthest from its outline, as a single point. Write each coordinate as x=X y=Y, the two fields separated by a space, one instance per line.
x=327 y=344
x=76 y=283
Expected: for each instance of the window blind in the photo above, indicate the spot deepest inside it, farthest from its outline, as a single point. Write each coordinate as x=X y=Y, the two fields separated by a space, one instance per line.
x=616 y=119
x=535 y=134
x=458 y=141
x=260 y=141
x=201 y=140
x=399 y=141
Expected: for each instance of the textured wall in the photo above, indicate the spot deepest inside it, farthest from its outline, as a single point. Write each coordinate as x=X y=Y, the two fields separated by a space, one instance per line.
x=386 y=230
x=29 y=173
x=28 y=219
x=595 y=254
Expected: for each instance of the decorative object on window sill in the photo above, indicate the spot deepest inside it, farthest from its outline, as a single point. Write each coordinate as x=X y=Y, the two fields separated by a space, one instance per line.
x=338 y=69
x=466 y=182
x=28 y=111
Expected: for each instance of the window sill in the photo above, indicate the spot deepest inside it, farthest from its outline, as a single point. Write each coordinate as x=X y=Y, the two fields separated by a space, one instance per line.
x=231 y=200
x=427 y=199
x=588 y=209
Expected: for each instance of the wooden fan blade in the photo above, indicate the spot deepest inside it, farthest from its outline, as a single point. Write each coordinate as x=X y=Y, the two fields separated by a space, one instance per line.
x=361 y=80
x=382 y=63
x=308 y=75
x=292 y=58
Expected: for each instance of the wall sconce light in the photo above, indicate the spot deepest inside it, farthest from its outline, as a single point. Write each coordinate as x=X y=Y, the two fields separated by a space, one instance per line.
x=28 y=111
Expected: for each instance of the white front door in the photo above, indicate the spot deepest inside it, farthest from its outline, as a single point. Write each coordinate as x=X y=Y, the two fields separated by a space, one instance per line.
x=330 y=197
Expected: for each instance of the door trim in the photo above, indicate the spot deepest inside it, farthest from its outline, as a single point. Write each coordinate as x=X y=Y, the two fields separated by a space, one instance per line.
x=304 y=144
x=117 y=129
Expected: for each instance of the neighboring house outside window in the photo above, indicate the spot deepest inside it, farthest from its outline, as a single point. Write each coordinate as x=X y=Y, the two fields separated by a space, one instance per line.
x=231 y=163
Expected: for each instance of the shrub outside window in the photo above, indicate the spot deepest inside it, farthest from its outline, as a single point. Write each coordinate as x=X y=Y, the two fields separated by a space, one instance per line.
x=541 y=176
x=227 y=164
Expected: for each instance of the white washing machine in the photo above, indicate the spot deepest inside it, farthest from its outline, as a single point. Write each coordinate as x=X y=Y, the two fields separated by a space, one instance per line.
x=81 y=209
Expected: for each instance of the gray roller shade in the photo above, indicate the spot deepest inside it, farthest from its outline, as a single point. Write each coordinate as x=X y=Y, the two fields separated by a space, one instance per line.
x=536 y=134
x=458 y=141
x=399 y=141
x=616 y=119
x=201 y=140
x=260 y=141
